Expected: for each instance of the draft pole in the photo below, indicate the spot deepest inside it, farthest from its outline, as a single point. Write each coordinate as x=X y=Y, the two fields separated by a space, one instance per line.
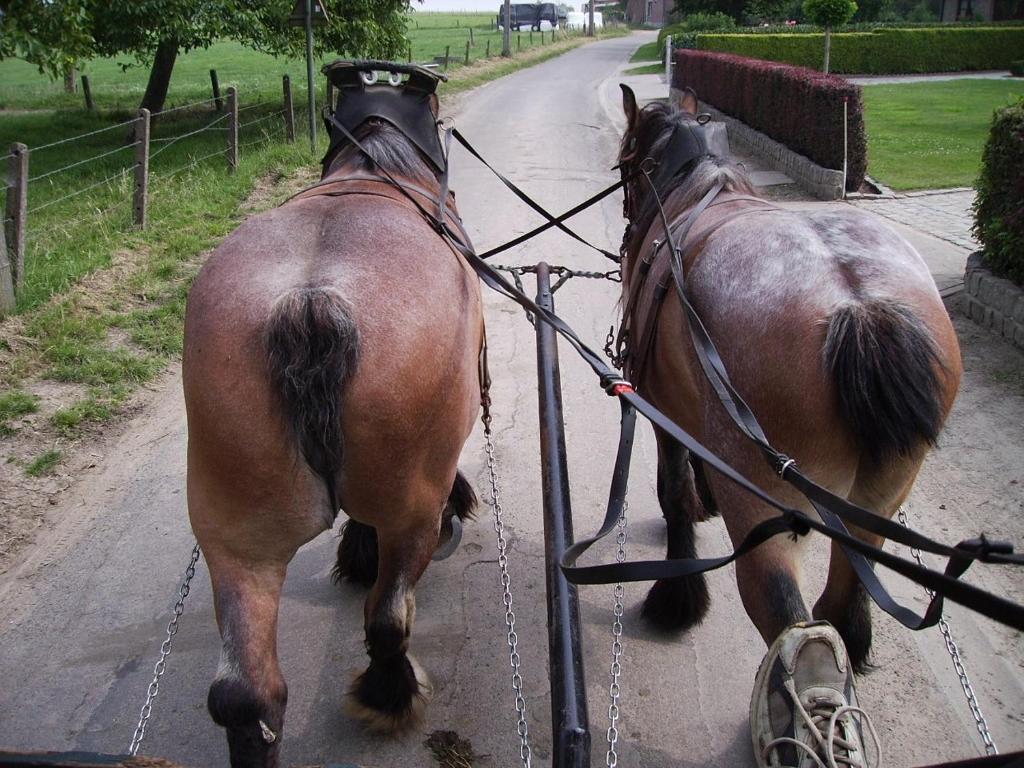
x=569 y=725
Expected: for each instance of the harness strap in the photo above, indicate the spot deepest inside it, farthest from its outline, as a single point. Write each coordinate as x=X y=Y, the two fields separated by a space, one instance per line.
x=535 y=205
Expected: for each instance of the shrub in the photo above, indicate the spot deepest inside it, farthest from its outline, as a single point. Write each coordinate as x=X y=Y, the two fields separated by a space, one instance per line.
x=884 y=51
x=798 y=107
x=1017 y=68
x=697 y=22
x=999 y=208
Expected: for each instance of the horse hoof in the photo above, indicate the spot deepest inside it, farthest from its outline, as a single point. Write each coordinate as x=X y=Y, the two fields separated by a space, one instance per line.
x=675 y=605
x=390 y=696
x=447 y=548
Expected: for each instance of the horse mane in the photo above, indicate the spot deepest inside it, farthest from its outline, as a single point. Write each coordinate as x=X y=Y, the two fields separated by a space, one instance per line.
x=690 y=183
x=390 y=150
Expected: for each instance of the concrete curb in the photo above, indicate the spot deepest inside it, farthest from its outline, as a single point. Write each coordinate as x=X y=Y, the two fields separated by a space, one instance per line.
x=993 y=302
x=823 y=183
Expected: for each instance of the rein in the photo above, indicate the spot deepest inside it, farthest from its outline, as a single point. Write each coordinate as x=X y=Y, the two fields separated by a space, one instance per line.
x=832 y=509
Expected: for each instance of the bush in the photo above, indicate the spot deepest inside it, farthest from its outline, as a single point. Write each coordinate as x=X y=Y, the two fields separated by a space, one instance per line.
x=1017 y=68
x=697 y=22
x=999 y=208
x=798 y=107
x=884 y=51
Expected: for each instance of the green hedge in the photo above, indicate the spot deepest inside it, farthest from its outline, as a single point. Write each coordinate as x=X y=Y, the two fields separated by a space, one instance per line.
x=999 y=209
x=883 y=52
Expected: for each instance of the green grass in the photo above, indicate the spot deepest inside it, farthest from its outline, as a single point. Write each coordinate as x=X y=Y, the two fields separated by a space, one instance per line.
x=256 y=75
x=14 y=404
x=43 y=464
x=647 y=52
x=931 y=135
x=646 y=69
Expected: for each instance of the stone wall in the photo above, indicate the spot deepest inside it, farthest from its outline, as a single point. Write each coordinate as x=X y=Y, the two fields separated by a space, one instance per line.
x=993 y=302
x=823 y=183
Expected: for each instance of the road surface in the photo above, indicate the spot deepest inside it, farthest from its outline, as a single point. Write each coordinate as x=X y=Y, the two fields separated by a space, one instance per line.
x=83 y=615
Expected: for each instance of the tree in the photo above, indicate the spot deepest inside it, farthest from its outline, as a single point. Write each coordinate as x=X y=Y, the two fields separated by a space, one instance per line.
x=157 y=31
x=684 y=8
x=829 y=14
x=765 y=10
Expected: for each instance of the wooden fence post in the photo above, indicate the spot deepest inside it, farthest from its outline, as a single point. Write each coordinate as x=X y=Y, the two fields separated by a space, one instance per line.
x=232 y=129
x=140 y=198
x=87 y=92
x=519 y=42
x=467 y=52
x=6 y=280
x=289 y=112
x=218 y=102
x=488 y=54
x=447 y=53
x=471 y=41
x=17 y=211
x=410 y=51
x=531 y=38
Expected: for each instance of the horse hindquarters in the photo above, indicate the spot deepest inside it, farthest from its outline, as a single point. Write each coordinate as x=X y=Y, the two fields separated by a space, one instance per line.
x=895 y=379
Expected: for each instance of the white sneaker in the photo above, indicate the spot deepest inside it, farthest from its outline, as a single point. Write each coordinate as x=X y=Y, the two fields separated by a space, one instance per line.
x=803 y=711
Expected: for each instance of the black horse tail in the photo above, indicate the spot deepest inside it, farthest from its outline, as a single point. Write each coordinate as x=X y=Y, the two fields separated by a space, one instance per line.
x=312 y=348
x=887 y=374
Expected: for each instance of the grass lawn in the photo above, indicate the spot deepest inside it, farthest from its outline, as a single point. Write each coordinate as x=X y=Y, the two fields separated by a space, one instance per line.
x=646 y=69
x=647 y=52
x=256 y=75
x=931 y=135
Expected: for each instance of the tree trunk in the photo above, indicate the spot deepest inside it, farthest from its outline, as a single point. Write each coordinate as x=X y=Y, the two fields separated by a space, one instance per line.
x=828 y=44
x=160 y=76
x=71 y=80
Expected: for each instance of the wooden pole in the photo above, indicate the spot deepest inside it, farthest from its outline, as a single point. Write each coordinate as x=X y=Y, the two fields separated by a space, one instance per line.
x=519 y=42
x=218 y=102
x=87 y=92
x=471 y=41
x=289 y=111
x=467 y=52
x=447 y=52
x=17 y=211
x=487 y=55
x=140 y=198
x=232 y=129
x=410 y=51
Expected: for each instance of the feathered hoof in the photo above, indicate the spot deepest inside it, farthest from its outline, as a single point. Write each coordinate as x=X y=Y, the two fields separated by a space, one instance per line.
x=675 y=605
x=390 y=696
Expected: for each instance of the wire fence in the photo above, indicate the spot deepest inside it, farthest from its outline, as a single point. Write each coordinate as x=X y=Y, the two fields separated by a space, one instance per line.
x=103 y=182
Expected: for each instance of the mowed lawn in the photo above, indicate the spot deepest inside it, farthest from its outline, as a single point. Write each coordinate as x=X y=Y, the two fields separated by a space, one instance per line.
x=931 y=135
x=119 y=82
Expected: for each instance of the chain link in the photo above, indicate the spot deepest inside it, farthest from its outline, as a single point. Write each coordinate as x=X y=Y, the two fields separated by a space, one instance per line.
x=954 y=654
x=612 y=757
x=165 y=651
x=522 y=729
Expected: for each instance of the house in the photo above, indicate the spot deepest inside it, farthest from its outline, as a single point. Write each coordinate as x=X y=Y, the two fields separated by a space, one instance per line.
x=652 y=12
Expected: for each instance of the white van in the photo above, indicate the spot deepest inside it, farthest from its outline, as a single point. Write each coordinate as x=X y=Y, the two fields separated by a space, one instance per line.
x=579 y=20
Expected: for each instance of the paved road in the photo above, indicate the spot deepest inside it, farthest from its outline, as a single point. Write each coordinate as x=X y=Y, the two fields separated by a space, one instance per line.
x=82 y=618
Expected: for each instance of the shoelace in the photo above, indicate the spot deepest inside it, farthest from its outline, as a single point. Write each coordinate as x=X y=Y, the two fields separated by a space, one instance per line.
x=823 y=723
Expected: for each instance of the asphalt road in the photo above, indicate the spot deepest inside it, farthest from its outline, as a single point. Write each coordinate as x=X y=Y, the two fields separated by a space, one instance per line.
x=82 y=618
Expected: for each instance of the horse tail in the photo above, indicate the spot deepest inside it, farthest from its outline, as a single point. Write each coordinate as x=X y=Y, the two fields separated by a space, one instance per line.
x=887 y=373
x=312 y=348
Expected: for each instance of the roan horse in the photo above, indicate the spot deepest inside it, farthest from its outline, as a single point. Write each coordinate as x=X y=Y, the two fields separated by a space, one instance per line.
x=830 y=327
x=331 y=362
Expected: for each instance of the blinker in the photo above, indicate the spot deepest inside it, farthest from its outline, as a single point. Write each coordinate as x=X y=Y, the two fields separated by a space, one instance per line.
x=686 y=144
x=408 y=105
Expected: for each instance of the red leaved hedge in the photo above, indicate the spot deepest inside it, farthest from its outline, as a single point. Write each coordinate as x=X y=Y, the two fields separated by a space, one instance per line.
x=798 y=107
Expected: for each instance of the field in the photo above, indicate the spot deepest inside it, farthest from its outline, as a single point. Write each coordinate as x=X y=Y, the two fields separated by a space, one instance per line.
x=118 y=83
x=931 y=135
x=100 y=310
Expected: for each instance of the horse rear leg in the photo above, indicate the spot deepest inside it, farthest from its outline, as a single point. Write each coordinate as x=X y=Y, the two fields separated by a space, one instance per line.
x=392 y=694
x=680 y=603
x=844 y=602
x=248 y=694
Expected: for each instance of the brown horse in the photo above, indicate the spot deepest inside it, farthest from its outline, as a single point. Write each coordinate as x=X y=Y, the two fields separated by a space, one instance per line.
x=831 y=329
x=340 y=320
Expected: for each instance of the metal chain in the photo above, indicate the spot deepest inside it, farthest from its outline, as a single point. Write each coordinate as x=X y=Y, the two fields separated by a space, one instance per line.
x=165 y=651
x=954 y=654
x=522 y=729
x=612 y=758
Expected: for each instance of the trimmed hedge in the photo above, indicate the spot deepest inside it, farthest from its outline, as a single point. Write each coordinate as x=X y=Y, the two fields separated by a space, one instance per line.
x=798 y=107
x=884 y=51
x=999 y=209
